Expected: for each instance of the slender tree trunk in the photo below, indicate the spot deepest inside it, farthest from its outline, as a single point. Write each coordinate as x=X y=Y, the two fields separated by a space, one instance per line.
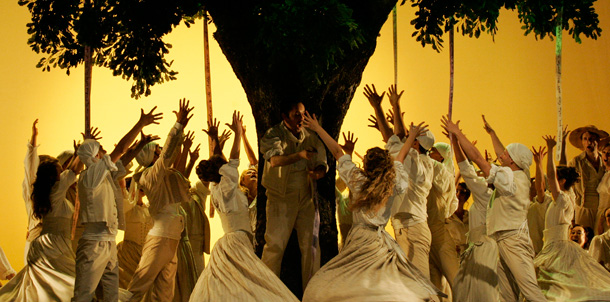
x=88 y=73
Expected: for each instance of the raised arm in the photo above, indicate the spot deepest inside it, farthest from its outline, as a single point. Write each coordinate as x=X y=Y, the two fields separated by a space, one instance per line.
x=193 y=156
x=394 y=96
x=145 y=120
x=249 y=151
x=186 y=148
x=414 y=132
x=563 y=161
x=236 y=127
x=375 y=101
x=539 y=182
x=134 y=150
x=469 y=149
x=498 y=147
x=311 y=122
x=212 y=132
x=550 y=167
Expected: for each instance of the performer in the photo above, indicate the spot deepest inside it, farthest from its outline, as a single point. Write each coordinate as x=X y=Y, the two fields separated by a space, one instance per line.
x=165 y=189
x=248 y=180
x=589 y=166
x=371 y=266
x=101 y=212
x=477 y=277
x=506 y=214
x=565 y=271
x=457 y=224
x=600 y=245
x=604 y=187
x=31 y=162
x=49 y=271
x=295 y=158
x=234 y=273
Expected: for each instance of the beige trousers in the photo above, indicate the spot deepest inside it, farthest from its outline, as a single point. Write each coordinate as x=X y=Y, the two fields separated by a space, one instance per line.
x=156 y=270
x=96 y=265
x=415 y=242
x=516 y=273
x=294 y=210
x=444 y=261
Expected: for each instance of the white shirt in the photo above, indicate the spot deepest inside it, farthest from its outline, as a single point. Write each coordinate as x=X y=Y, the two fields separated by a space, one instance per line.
x=166 y=188
x=508 y=210
x=30 y=164
x=411 y=209
x=480 y=192
x=441 y=198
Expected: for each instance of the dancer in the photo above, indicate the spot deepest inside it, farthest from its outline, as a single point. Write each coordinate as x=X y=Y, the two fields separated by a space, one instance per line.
x=600 y=245
x=234 y=273
x=248 y=180
x=49 y=271
x=371 y=266
x=457 y=224
x=565 y=271
x=165 y=189
x=603 y=189
x=506 y=214
x=31 y=162
x=477 y=277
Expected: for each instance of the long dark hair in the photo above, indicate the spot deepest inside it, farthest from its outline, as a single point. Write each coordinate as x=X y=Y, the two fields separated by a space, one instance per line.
x=46 y=177
x=207 y=170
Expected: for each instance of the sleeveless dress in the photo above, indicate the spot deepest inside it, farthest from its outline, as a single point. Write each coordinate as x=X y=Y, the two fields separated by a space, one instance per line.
x=566 y=272
x=371 y=266
x=234 y=272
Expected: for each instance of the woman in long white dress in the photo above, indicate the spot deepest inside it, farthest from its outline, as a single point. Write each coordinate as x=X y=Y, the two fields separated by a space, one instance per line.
x=50 y=270
x=565 y=271
x=234 y=272
x=370 y=266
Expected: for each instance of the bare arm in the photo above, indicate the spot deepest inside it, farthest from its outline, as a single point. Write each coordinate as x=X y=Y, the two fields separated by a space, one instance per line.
x=186 y=148
x=236 y=127
x=249 y=151
x=498 y=146
x=311 y=122
x=375 y=100
x=469 y=149
x=414 y=132
x=212 y=132
x=539 y=182
x=399 y=126
x=133 y=151
x=192 y=160
x=550 y=167
x=125 y=142
x=563 y=161
x=34 y=134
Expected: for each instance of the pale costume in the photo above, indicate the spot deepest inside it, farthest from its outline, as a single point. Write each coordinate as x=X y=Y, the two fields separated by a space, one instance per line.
x=604 y=201
x=477 y=278
x=587 y=197
x=344 y=215
x=370 y=266
x=458 y=230
x=566 y=272
x=77 y=227
x=507 y=224
x=600 y=249
x=290 y=197
x=198 y=224
x=49 y=271
x=186 y=272
x=443 y=254
x=101 y=211
x=409 y=212
x=165 y=189
x=5 y=267
x=535 y=220
x=137 y=224
x=30 y=164
x=234 y=272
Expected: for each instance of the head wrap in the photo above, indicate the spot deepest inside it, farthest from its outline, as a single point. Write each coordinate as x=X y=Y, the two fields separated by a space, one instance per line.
x=521 y=155
x=445 y=150
x=64 y=156
x=426 y=140
x=146 y=156
x=88 y=151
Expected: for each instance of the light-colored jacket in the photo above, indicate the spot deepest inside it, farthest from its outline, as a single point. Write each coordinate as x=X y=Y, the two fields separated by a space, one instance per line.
x=508 y=209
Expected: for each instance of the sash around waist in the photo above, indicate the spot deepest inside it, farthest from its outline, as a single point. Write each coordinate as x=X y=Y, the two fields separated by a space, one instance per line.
x=57 y=225
x=556 y=233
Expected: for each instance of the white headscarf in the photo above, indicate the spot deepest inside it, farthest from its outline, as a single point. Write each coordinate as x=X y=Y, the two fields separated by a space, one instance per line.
x=521 y=155
x=426 y=140
x=64 y=156
x=445 y=150
x=87 y=152
x=146 y=156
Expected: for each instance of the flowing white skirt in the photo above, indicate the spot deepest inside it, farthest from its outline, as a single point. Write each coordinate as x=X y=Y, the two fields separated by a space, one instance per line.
x=369 y=268
x=234 y=273
x=48 y=275
x=566 y=272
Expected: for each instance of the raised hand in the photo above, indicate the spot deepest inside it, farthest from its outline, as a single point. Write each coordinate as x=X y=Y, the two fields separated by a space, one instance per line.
x=92 y=133
x=195 y=153
x=184 y=115
x=224 y=137
x=150 y=117
x=188 y=140
x=449 y=126
x=550 y=141
x=350 y=143
x=394 y=96
x=564 y=133
x=374 y=123
x=212 y=130
x=372 y=95
x=147 y=138
x=236 y=124
x=538 y=154
x=417 y=130
x=487 y=126
x=311 y=122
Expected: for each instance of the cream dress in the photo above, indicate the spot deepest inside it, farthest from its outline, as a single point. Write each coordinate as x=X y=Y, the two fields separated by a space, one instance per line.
x=234 y=272
x=371 y=266
x=50 y=270
x=137 y=224
x=566 y=272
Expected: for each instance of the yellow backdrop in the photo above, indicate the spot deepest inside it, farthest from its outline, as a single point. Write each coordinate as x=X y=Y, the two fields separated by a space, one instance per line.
x=510 y=80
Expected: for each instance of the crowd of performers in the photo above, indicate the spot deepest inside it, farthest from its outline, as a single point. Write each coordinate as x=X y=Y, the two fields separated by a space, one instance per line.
x=522 y=238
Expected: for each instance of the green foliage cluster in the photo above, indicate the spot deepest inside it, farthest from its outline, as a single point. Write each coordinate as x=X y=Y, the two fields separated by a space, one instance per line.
x=473 y=17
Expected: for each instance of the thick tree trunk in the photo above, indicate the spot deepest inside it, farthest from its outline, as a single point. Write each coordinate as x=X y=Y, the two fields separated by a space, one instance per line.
x=268 y=83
